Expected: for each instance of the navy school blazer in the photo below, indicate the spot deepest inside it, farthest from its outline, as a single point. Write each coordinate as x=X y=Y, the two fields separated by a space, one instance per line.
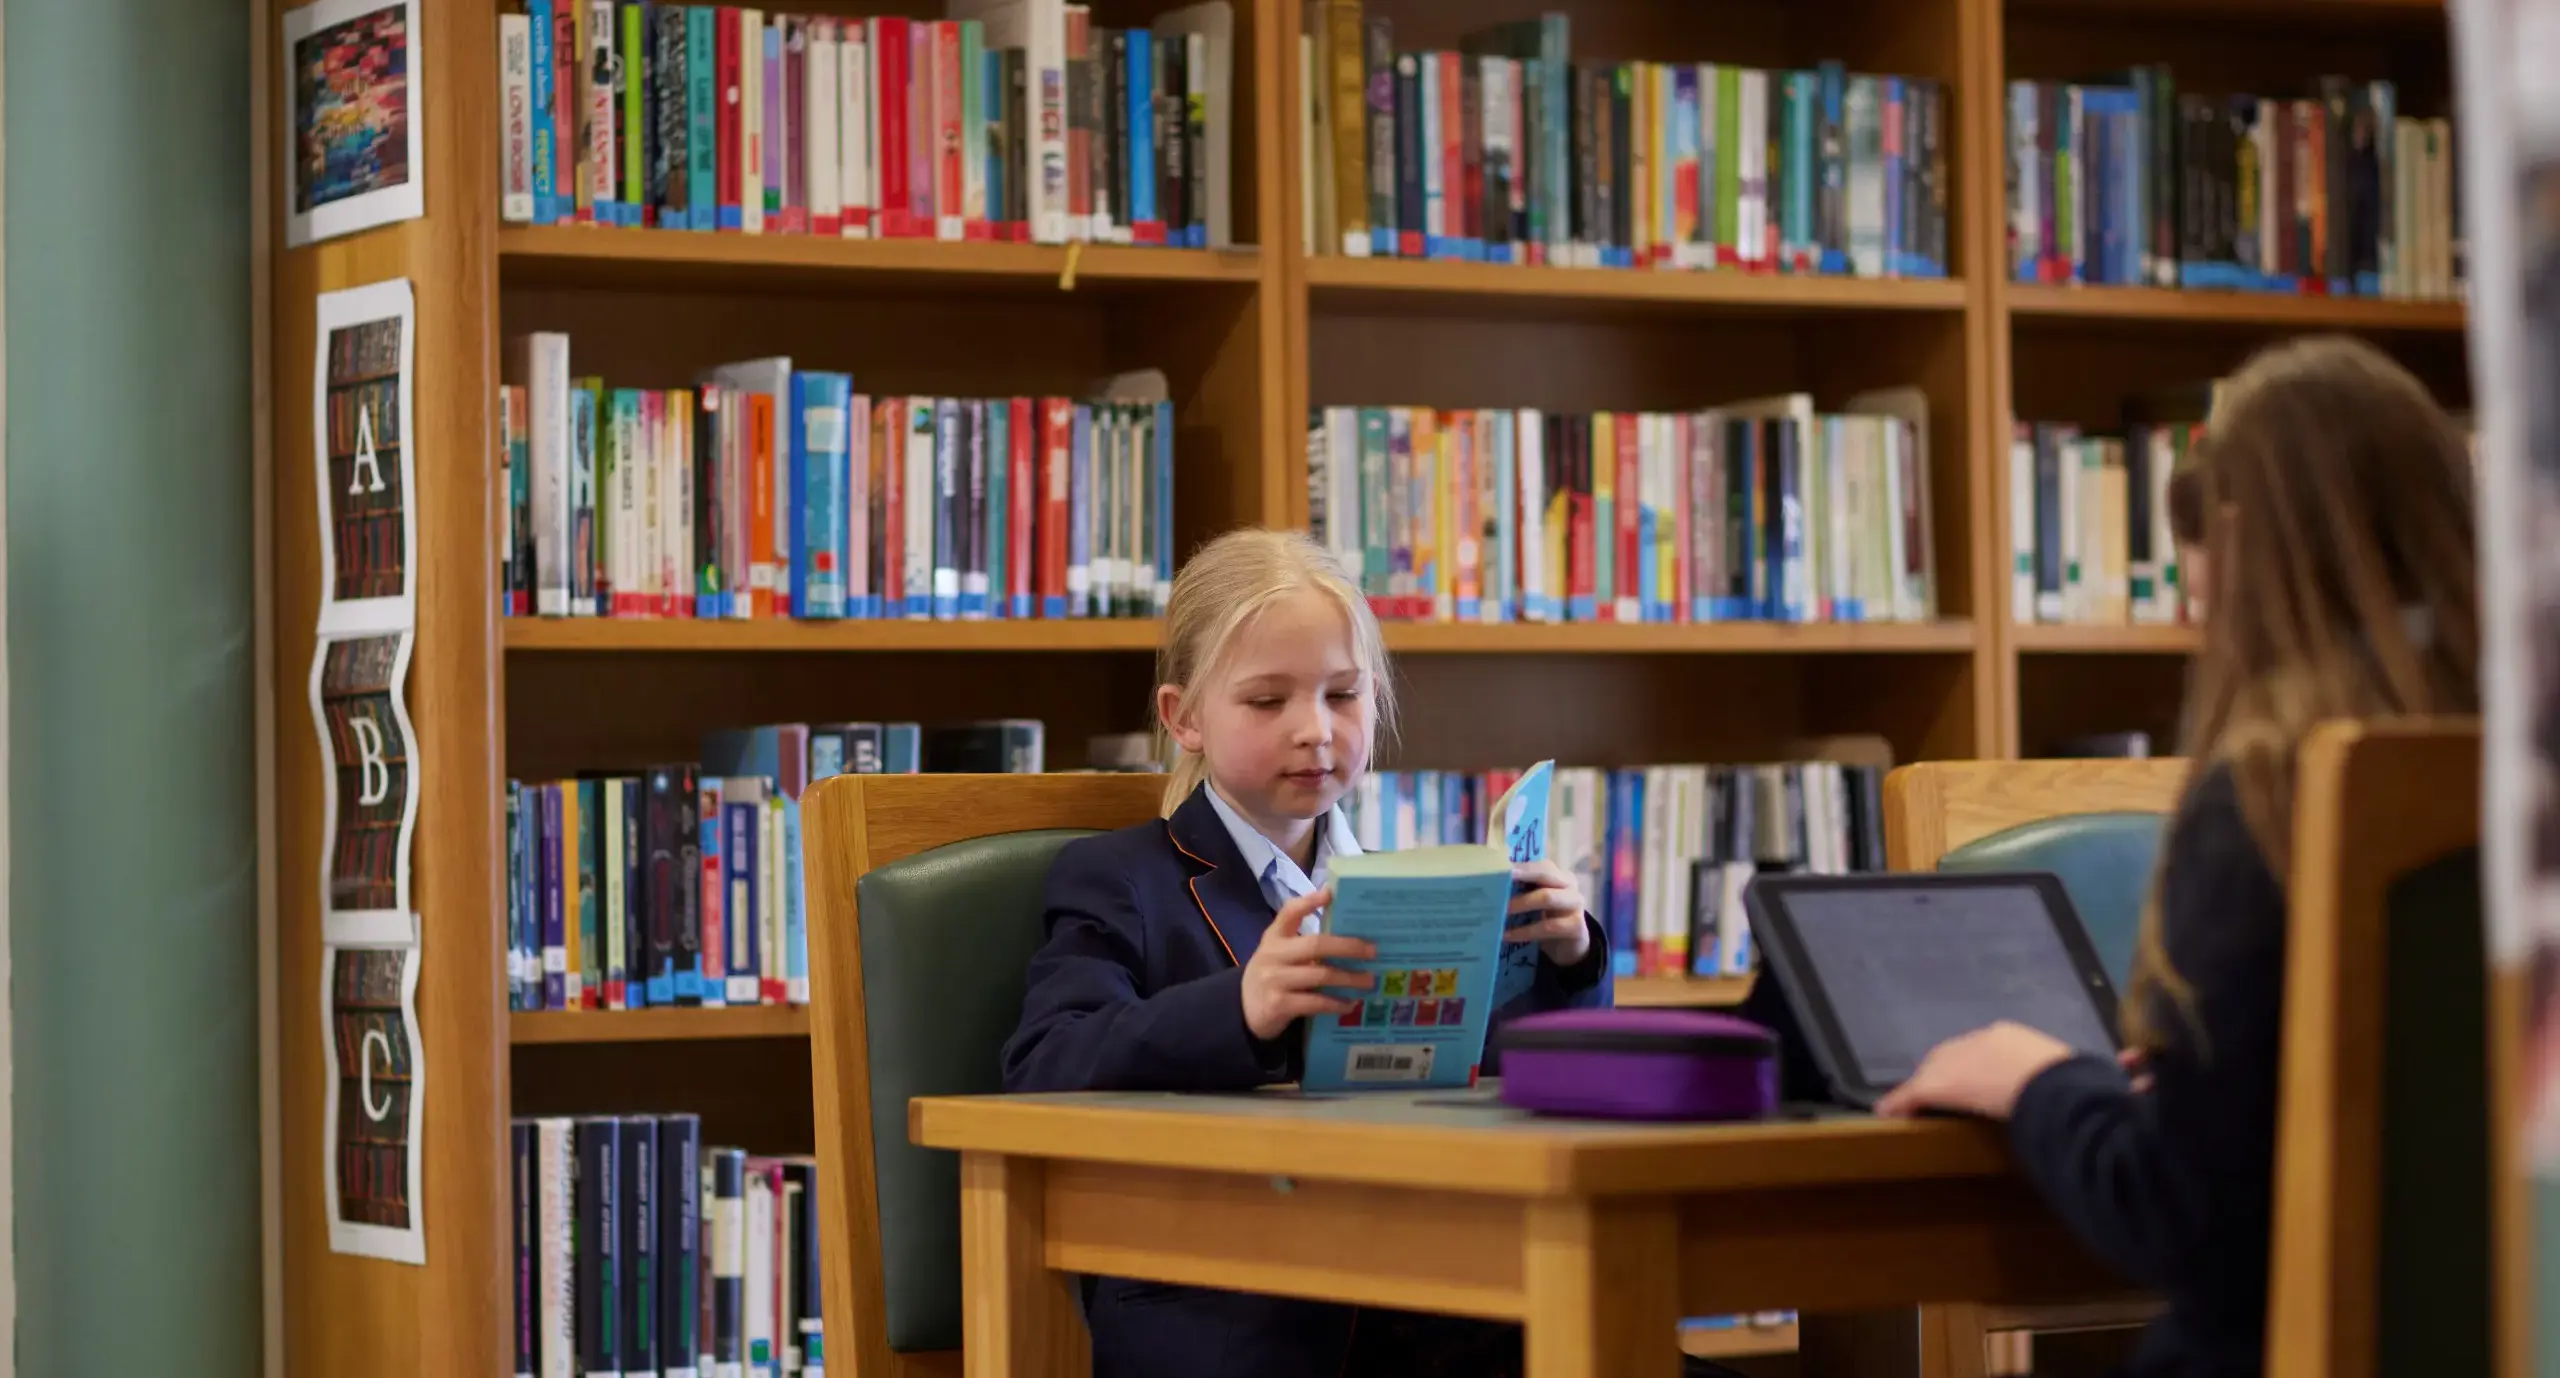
x=1139 y=985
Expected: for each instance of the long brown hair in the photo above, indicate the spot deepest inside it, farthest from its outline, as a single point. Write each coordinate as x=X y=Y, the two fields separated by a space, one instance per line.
x=2337 y=517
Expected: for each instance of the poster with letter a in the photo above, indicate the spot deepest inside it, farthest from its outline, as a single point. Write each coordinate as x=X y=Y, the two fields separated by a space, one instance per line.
x=363 y=474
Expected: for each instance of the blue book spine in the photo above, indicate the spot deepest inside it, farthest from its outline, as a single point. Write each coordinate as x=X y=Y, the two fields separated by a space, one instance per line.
x=1832 y=77
x=739 y=857
x=969 y=516
x=555 y=937
x=826 y=405
x=598 y=1265
x=546 y=137
x=702 y=117
x=679 y=1253
x=996 y=432
x=1625 y=837
x=947 y=459
x=795 y=939
x=1142 y=126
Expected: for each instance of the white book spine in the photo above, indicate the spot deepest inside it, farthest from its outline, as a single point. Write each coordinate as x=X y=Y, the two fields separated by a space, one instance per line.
x=604 y=58
x=853 y=151
x=546 y=377
x=751 y=130
x=1530 y=453
x=919 y=492
x=2022 y=526
x=1046 y=89
x=756 y=1324
x=515 y=86
x=556 y=1294
x=822 y=117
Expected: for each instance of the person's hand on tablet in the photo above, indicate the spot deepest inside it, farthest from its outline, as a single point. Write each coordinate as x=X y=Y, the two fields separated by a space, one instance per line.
x=1980 y=1073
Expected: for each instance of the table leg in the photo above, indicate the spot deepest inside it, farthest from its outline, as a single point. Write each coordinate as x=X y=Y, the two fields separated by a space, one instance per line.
x=1603 y=1282
x=1018 y=1320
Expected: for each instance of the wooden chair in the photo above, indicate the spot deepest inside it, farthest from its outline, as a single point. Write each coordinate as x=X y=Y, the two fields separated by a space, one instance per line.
x=918 y=1000
x=2095 y=824
x=2389 y=1191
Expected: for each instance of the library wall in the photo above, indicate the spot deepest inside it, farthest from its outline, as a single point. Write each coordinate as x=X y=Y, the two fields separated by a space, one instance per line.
x=133 y=838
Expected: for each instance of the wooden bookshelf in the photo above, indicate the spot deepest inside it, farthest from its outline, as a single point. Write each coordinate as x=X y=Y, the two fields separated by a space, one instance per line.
x=1250 y=341
x=1738 y=1341
x=1677 y=991
x=657 y=1025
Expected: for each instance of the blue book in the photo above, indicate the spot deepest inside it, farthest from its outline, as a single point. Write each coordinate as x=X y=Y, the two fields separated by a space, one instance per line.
x=1436 y=916
x=995 y=429
x=641 y=1281
x=822 y=456
x=1142 y=126
x=1521 y=815
x=546 y=138
x=679 y=1255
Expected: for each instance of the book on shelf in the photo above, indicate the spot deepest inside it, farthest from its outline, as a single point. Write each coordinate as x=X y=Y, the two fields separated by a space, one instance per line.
x=2330 y=189
x=1004 y=120
x=680 y=884
x=1509 y=149
x=639 y=1249
x=1660 y=852
x=766 y=490
x=1760 y=510
x=2090 y=541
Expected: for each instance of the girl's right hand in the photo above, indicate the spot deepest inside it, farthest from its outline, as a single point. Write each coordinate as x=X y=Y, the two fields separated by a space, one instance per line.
x=2137 y=1068
x=1281 y=980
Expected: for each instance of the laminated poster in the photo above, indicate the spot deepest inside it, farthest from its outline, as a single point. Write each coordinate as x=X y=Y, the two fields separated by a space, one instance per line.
x=365 y=630
x=363 y=472
x=375 y=1085
x=352 y=158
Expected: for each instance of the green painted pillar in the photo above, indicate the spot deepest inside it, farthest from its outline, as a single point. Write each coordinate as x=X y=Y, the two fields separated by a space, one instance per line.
x=132 y=827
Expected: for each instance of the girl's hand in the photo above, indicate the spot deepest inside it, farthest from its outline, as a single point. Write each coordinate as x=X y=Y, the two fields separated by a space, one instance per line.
x=1281 y=978
x=1980 y=1073
x=1559 y=930
x=2137 y=1068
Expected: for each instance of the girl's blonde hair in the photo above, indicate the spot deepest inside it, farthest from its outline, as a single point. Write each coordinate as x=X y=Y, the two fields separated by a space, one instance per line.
x=1219 y=592
x=2334 y=500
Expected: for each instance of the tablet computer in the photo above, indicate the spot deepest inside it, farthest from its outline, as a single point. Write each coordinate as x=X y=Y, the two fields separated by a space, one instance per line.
x=1877 y=969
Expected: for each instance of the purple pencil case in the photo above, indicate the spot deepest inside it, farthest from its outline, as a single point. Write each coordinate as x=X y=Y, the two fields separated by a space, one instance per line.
x=1649 y=1064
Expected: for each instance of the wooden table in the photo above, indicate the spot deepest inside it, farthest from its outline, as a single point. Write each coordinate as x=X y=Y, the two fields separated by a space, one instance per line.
x=1598 y=1236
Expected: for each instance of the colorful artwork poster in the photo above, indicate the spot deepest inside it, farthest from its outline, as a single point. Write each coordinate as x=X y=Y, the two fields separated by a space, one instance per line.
x=369 y=787
x=375 y=1089
x=352 y=158
x=363 y=467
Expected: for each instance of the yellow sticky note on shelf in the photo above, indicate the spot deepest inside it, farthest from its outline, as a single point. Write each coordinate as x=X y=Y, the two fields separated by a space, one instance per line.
x=1067 y=275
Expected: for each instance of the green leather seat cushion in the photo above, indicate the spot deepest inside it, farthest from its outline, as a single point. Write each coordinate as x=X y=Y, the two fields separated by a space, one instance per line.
x=2104 y=860
x=947 y=936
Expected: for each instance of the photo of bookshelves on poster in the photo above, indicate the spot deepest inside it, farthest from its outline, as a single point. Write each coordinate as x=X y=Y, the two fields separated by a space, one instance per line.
x=2330 y=190
x=1511 y=148
x=1006 y=121
x=767 y=491
x=680 y=884
x=641 y=1249
x=1765 y=510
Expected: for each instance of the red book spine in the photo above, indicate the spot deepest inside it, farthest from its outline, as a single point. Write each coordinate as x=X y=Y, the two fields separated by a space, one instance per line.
x=714 y=886
x=1057 y=443
x=889 y=110
x=725 y=127
x=1453 y=148
x=1018 y=514
x=1630 y=519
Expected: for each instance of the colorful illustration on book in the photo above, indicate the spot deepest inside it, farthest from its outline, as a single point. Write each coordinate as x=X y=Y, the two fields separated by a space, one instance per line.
x=362 y=462
x=352 y=157
x=369 y=787
x=374 y=1094
x=1521 y=813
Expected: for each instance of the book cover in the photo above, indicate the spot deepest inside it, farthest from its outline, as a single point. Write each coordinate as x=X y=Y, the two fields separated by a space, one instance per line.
x=1436 y=916
x=1521 y=814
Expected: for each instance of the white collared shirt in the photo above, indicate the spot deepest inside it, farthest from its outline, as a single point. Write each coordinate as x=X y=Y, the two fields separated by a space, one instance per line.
x=1275 y=870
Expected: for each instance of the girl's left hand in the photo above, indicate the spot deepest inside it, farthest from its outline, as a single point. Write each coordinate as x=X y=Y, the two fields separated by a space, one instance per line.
x=1559 y=930
x=1979 y=1073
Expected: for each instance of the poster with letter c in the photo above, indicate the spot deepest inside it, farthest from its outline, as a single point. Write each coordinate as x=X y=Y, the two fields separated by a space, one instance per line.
x=365 y=629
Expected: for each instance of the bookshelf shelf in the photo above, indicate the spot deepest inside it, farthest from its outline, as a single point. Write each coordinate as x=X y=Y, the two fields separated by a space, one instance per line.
x=1730 y=638
x=2148 y=640
x=1654 y=991
x=1393 y=281
x=586 y=256
x=2152 y=305
x=612 y=635
x=658 y=1026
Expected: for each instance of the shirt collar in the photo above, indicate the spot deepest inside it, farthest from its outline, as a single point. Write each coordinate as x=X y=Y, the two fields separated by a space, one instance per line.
x=1334 y=838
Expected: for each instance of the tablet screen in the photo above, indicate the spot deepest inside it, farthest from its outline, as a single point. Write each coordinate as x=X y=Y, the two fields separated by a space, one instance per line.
x=1904 y=969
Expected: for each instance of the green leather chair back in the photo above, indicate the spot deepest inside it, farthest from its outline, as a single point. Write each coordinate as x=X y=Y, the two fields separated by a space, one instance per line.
x=947 y=936
x=2435 y=1294
x=2104 y=860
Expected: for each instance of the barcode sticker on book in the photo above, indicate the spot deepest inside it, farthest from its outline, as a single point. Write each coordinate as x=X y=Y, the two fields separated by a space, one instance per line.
x=1388 y=1062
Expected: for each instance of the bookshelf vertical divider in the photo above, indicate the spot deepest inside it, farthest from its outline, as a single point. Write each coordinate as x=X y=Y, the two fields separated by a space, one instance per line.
x=348 y=1314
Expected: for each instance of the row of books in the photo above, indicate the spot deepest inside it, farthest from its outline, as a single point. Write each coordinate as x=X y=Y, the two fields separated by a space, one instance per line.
x=2090 y=541
x=1008 y=120
x=680 y=884
x=641 y=1250
x=1765 y=509
x=1508 y=150
x=2133 y=182
x=1661 y=852
x=769 y=491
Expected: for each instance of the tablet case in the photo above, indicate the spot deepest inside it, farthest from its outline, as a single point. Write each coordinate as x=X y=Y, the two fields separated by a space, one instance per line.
x=1643 y=1064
